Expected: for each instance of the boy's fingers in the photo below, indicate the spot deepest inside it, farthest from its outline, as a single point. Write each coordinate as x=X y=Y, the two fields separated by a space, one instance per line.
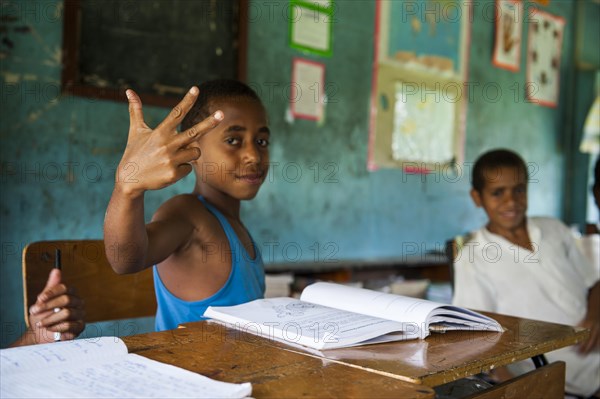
x=53 y=286
x=64 y=301
x=51 y=292
x=49 y=298
x=198 y=130
x=593 y=341
x=183 y=170
x=186 y=155
x=589 y=344
x=53 y=279
x=585 y=347
x=179 y=111
x=67 y=326
x=64 y=314
x=136 y=116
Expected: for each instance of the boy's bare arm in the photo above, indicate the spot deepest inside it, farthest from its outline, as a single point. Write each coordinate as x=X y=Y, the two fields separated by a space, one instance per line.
x=147 y=244
x=592 y=321
x=153 y=159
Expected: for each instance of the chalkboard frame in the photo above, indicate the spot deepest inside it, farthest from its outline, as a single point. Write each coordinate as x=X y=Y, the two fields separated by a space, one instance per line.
x=72 y=84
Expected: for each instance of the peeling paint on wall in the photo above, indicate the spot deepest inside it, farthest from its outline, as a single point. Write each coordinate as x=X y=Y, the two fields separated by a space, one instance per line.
x=10 y=77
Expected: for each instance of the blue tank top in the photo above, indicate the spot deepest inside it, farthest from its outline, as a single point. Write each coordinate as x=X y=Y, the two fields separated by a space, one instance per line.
x=245 y=283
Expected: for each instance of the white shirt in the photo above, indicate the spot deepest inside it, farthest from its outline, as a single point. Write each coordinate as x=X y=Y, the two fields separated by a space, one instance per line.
x=550 y=283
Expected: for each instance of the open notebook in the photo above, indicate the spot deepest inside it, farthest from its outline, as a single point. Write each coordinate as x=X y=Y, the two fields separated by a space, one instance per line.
x=101 y=368
x=330 y=316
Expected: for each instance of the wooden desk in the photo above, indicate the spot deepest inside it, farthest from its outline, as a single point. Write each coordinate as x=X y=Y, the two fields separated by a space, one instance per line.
x=402 y=369
x=227 y=355
x=442 y=358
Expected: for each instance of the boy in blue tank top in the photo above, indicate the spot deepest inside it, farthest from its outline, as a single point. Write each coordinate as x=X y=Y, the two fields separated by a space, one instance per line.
x=201 y=252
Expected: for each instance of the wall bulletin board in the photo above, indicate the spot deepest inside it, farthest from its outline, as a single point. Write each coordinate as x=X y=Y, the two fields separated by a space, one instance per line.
x=158 y=48
x=420 y=68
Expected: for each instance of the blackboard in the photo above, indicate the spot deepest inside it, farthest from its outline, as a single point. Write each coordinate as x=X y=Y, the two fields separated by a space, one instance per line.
x=157 y=47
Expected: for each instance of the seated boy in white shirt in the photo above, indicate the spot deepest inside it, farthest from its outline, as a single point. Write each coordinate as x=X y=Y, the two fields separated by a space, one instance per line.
x=529 y=267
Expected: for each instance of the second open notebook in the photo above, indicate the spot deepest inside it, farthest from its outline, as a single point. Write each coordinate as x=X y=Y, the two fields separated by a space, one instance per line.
x=329 y=316
x=101 y=368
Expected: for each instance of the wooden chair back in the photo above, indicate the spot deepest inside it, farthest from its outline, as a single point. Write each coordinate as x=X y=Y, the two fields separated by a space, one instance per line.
x=107 y=295
x=453 y=248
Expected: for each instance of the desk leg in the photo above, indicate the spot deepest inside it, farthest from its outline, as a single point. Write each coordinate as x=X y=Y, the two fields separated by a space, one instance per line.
x=547 y=382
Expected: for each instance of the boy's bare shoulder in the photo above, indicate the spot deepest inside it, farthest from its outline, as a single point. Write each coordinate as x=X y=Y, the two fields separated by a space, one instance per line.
x=182 y=206
x=188 y=212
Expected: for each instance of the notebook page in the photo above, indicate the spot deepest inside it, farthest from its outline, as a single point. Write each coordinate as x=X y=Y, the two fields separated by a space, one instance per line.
x=27 y=358
x=130 y=376
x=312 y=325
x=373 y=303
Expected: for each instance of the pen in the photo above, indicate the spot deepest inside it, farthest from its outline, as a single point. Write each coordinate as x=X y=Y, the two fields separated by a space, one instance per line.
x=57 y=265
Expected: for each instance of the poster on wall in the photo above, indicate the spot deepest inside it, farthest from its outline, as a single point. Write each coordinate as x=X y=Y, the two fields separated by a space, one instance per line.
x=310 y=26
x=543 y=58
x=307 y=89
x=509 y=22
x=416 y=135
x=418 y=110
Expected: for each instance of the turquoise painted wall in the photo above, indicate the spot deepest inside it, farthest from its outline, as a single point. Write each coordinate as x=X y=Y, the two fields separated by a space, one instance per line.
x=59 y=153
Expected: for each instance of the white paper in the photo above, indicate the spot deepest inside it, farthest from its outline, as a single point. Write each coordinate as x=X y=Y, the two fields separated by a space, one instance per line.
x=416 y=136
x=27 y=358
x=544 y=56
x=101 y=368
x=399 y=308
x=302 y=323
x=311 y=28
x=374 y=303
x=307 y=100
x=329 y=316
x=509 y=21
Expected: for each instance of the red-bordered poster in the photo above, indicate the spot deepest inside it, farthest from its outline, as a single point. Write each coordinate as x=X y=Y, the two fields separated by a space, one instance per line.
x=307 y=89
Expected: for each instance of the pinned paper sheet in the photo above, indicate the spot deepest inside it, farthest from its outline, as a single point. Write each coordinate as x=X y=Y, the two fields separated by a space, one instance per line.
x=509 y=24
x=543 y=58
x=308 y=89
x=311 y=26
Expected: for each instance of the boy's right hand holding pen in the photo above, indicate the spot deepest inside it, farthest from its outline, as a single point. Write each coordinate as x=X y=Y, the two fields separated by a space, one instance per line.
x=157 y=158
x=44 y=322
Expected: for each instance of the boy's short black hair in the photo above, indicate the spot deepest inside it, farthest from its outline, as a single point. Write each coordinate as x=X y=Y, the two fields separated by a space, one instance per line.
x=220 y=89
x=492 y=160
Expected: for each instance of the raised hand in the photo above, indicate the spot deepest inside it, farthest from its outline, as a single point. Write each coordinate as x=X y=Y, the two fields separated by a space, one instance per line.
x=158 y=158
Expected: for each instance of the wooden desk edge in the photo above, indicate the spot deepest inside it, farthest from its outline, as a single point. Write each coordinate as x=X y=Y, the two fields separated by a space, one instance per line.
x=439 y=377
x=185 y=348
x=443 y=377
